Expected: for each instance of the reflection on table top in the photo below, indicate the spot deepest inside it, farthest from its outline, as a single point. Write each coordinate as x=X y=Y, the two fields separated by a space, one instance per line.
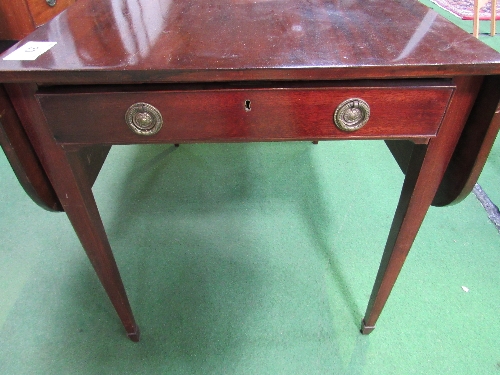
x=219 y=40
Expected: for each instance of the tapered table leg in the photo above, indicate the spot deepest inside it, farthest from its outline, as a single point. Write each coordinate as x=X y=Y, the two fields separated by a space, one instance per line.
x=407 y=220
x=84 y=216
x=71 y=181
x=425 y=172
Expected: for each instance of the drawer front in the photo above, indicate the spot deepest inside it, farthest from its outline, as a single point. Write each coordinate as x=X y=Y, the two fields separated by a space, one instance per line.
x=257 y=114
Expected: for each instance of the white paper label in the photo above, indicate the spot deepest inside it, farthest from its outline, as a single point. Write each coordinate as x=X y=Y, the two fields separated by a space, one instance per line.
x=30 y=51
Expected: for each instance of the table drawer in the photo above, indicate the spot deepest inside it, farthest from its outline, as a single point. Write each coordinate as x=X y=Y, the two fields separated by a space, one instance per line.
x=191 y=114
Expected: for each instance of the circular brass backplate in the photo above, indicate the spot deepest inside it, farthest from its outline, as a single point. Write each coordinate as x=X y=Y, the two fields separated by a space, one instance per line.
x=144 y=119
x=352 y=114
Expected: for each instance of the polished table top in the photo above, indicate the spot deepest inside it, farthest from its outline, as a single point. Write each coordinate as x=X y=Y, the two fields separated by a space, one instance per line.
x=119 y=41
x=236 y=71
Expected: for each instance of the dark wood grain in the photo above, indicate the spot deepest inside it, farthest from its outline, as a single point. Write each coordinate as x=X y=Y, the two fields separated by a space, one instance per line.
x=15 y=20
x=472 y=150
x=92 y=159
x=227 y=40
x=474 y=146
x=72 y=183
x=20 y=17
x=41 y=12
x=23 y=158
x=401 y=109
x=26 y=164
x=426 y=168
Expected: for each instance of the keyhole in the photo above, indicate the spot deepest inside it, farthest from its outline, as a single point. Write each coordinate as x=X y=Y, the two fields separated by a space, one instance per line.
x=248 y=105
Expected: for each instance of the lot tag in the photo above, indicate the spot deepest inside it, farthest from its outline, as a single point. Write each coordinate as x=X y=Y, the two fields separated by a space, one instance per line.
x=30 y=51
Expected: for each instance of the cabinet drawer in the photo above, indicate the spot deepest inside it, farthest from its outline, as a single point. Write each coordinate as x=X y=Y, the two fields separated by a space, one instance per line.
x=194 y=114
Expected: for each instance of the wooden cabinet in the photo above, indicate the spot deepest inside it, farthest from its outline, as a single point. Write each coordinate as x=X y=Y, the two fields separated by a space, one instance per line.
x=19 y=18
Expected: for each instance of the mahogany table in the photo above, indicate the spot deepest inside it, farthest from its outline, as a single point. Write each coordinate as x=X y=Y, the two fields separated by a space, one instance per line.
x=168 y=71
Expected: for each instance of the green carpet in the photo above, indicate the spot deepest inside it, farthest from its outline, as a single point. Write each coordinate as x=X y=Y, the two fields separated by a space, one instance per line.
x=249 y=259
x=253 y=259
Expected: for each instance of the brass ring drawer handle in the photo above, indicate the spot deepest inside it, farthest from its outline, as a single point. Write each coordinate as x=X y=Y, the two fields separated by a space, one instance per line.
x=352 y=114
x=143 y=119
x=51 y=3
